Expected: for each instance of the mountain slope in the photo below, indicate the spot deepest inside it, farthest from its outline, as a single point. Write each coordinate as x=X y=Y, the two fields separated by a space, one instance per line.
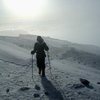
x=82 y=57
x=62 y=82
x=13 y=53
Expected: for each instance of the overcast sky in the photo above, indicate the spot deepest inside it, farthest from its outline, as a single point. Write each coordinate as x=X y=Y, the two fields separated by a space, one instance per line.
x=72 y=20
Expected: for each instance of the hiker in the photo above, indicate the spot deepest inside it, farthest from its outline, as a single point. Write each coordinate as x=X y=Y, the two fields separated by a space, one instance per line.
x=39 y=48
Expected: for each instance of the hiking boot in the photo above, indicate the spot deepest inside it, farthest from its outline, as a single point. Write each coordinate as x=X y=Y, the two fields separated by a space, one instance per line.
x=39 y=73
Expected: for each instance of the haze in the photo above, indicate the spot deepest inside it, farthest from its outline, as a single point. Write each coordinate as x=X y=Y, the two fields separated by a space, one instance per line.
x=72 y=20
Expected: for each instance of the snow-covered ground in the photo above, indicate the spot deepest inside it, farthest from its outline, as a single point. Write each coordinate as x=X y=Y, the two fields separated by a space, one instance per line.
x=62 y=82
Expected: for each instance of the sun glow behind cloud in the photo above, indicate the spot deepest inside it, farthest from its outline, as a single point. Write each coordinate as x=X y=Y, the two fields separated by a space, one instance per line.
x=26 y=8
x=73 y=20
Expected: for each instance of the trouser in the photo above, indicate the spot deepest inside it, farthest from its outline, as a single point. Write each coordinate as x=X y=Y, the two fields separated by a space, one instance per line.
x=42 y=70
x=41 y=65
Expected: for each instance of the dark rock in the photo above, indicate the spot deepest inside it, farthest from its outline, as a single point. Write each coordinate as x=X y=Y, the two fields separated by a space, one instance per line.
x=46 y=93
x=98 y=82
x=36 y=95
x=84 y=81
x=37 y=87
x=24 y=88
x=8 y=75
x=7 y=90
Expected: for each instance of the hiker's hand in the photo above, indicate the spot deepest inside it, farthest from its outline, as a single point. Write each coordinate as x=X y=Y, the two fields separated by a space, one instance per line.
x=32 y=52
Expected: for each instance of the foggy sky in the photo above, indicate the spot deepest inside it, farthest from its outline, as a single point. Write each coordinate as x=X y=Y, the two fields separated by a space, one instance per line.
x=72 y=20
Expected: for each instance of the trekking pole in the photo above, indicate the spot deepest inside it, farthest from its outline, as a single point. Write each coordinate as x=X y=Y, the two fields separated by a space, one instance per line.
x=32 y=66
x=49 y=59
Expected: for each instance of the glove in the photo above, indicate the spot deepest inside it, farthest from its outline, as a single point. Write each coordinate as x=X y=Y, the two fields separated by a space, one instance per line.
x=32 y=52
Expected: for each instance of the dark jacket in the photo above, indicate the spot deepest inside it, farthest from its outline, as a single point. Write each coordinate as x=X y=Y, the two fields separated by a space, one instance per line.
x=39 y=49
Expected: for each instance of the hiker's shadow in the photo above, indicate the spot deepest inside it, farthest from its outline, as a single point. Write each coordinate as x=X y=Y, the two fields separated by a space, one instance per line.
x=50 y=90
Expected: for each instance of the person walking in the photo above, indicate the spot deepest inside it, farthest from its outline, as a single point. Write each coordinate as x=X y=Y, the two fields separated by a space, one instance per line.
x=39 y=48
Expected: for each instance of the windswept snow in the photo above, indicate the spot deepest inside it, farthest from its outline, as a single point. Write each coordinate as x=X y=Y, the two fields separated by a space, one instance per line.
x=69 y=63
x=13 y=50
x=12 y=53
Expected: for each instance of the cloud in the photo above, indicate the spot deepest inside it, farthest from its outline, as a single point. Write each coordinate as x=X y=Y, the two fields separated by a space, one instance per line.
x=73 y=20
